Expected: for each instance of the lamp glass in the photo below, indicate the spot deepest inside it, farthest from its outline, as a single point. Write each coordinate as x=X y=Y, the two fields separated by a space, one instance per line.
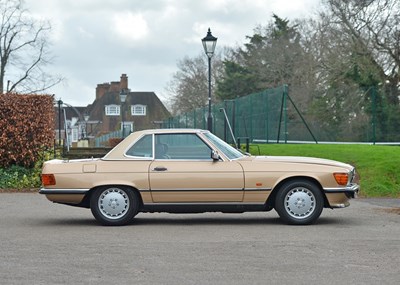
x=122 y=97
x=209 y=43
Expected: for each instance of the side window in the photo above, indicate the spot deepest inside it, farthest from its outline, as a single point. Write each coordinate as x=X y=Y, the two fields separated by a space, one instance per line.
x=142 y=148
x=181 y=146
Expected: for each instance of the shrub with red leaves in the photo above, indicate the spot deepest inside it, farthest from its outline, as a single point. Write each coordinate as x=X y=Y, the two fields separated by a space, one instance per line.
x=112 y=142
x=26 y=128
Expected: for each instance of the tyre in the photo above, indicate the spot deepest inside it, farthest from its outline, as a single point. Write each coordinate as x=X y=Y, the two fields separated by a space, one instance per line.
x=299 y=202
x=114 y=205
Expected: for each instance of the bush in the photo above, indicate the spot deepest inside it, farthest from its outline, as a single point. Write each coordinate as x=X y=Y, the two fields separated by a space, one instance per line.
x=26 y=128
x=18 y=177
x=112 y=142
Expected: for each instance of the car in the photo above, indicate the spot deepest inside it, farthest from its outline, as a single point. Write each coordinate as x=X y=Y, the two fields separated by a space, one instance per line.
x=194 y=171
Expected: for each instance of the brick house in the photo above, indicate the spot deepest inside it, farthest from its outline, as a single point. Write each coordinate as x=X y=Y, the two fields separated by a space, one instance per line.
x=141 y=110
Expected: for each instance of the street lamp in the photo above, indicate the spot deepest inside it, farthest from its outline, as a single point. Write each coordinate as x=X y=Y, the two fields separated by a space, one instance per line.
x=209 y=43
x=122 y=98
x=86 y=118
x=60 y=103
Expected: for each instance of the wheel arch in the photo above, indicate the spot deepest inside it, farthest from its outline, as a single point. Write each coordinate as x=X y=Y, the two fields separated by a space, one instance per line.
x=86 y=200
x=271 y=198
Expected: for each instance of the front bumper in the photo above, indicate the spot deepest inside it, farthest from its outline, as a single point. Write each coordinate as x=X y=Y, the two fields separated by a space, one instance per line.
x=350 y=190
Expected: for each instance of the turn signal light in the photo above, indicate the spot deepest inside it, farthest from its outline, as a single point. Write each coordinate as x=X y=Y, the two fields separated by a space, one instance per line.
x=48 y=179
x=341 y=178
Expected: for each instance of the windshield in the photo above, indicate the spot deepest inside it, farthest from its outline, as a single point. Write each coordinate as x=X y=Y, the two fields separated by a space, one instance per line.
x=229 y=151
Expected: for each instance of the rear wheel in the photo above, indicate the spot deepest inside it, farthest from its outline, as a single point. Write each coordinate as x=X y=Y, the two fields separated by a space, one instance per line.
x=114 y=205
x=299 y=202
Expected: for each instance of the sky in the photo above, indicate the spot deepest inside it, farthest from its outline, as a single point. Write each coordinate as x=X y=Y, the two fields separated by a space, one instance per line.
x=96 y=41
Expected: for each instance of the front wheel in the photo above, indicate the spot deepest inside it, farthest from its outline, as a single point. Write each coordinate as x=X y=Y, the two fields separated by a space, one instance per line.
x=299 y=202
x=114 y=205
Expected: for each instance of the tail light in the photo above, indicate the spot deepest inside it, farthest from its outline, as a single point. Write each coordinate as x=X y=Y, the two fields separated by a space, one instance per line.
x=48 y=179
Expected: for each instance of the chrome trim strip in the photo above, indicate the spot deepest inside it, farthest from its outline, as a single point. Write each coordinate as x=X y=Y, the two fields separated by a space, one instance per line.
x=131 y=158
x=340 y=205
x=204 y=203
x=350 y=188
x=209 y=190
x=63 y=191
x=257 y=189
x=195 y=190
x=84 y=191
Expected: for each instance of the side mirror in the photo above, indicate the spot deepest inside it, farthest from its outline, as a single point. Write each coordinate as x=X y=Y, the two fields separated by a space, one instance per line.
x=214 y=155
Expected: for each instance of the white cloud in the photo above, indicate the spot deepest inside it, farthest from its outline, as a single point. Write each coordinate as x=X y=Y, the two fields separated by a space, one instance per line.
x=96 y=41
x=84 y=33
x=130 y=27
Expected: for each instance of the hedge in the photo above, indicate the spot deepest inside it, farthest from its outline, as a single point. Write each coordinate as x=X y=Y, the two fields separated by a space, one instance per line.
x=26 y=128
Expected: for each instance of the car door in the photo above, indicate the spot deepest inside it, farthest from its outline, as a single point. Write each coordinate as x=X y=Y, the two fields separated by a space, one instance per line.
x=183 y=171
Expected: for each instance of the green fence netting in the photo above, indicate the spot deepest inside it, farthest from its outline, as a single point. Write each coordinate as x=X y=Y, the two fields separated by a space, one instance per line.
x=363 y=115
x=267 y=116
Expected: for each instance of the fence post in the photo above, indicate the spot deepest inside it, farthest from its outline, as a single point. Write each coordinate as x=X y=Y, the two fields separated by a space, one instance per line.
x=280 y=117
x=373 y=93
x=265 y=94
x=251 y=116
x=204 y=118
x=233 y=106
x=285 y=94
x=225 y=107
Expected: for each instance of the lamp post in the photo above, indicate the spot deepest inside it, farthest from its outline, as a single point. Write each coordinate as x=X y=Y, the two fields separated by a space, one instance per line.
x=122 y=98
x=59 y=102
x=86 y=118
x=209 y=43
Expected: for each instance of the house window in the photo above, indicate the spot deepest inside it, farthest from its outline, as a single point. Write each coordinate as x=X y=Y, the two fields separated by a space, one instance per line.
x=74 y=134
x=112 y=110
x=138 y=110
x=127 y=128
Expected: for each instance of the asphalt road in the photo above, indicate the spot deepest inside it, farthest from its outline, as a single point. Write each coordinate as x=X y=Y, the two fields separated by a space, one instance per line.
x=45 y=243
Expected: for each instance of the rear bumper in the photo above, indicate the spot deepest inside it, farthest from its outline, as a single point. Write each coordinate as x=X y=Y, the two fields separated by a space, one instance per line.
x=74 y=197
x=63 y=191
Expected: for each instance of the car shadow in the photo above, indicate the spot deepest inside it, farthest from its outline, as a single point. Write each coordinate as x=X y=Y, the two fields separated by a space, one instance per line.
x=162 y=221
x=186 y=220
x=189 y=221
x=65 y=222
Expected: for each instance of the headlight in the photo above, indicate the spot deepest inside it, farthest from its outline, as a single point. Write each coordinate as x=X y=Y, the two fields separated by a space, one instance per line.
x=352 y=175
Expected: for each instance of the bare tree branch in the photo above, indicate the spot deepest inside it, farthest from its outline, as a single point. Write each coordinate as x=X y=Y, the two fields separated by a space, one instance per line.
x=24 y=50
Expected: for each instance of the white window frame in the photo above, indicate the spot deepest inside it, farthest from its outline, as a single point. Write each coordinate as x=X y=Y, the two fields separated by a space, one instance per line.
x=128 y=125
x=75 y=134
x=138 y=110
x=113 y=110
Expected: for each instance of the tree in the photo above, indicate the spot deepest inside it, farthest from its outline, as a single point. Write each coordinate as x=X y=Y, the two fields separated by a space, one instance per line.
x=273 y=56
x=373 y=29
x=189 y=85
x=24 y=50
x=237 y=81
x=358 y=48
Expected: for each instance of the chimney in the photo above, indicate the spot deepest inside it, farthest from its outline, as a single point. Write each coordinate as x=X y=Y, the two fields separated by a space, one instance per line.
x=101 y=89
x=123 y=82
x=114 y=87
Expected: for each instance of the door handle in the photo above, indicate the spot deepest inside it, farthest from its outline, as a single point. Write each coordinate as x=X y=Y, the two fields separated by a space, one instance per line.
x=160 y=168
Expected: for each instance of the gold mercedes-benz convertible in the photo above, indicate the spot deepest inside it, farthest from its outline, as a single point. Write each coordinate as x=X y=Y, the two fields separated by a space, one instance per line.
x=194 y=171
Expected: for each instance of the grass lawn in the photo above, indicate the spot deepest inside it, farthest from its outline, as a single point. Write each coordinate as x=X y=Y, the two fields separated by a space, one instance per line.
x=378 y=166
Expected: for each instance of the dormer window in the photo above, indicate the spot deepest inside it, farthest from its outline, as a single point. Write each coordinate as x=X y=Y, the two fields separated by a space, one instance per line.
x=138 y=110
x=113 y=110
